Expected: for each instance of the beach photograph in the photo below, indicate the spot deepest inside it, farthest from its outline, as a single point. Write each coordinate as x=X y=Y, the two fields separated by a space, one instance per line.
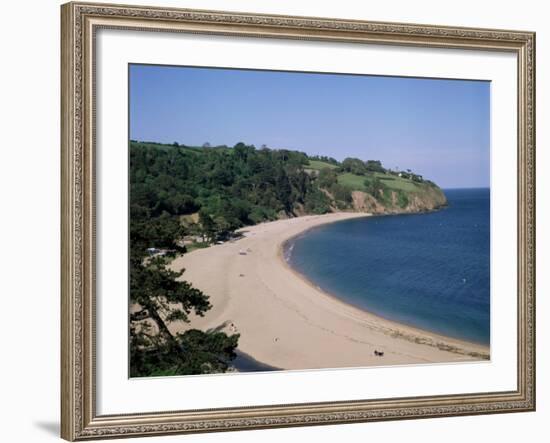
x=286 y=220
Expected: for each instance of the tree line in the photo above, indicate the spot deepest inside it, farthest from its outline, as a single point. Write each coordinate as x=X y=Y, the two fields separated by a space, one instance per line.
x=228 y=187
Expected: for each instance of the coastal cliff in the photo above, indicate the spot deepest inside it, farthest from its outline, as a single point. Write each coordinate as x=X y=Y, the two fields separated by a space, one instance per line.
x=426 y=198
x=374 y=190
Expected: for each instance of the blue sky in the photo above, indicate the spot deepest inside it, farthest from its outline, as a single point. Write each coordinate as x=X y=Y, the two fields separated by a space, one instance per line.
x=437 y=128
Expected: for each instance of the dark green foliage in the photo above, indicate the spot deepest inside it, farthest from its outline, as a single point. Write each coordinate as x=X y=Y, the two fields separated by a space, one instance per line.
x=327 y=177
x=193 y=352
x=324 y=158
x=317 y=202
x=402 y=199
x=239 y=186
x=408 y=174
x=375 y=187
x=208 y=225
x=158 y=195
x=354 y=165
x=341 y=194
x=259 y=214
x=147 y=232
x=163 y=299
x=155 y=288
x=381 y=192
x=374 y=166
x=360 y=167
x=234 y=187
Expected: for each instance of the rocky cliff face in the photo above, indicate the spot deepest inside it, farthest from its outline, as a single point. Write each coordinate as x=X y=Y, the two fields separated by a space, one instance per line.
x=428 y=198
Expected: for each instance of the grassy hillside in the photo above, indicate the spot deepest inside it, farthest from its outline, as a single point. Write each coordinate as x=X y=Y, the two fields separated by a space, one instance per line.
x=318 y=165
x=398 y=183
x=393 y=182
x=352 y=181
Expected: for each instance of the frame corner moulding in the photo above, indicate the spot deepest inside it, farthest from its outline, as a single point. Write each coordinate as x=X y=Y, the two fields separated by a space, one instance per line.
x=80 y=21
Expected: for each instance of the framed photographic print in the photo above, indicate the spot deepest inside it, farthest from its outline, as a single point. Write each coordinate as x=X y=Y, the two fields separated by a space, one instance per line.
x=282 y=221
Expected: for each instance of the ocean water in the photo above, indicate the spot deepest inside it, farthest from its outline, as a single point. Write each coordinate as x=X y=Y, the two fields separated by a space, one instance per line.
x=430 y=270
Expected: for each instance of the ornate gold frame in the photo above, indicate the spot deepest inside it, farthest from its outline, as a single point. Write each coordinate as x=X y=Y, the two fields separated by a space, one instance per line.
x=79 y=23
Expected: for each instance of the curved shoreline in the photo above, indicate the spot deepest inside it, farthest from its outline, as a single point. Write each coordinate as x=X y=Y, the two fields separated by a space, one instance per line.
x=285 y=321
x=404 y=331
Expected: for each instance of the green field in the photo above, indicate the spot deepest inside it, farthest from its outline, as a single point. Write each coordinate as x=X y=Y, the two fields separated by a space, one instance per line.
x=352 y=181
x=318 y=165
x=395 y=182
x=357 y=182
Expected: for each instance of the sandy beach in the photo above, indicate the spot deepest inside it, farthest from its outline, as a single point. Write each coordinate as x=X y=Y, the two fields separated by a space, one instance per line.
x=286 y=322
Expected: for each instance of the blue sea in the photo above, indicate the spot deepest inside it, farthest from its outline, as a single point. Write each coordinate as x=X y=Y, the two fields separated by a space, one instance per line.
x=430 y=270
